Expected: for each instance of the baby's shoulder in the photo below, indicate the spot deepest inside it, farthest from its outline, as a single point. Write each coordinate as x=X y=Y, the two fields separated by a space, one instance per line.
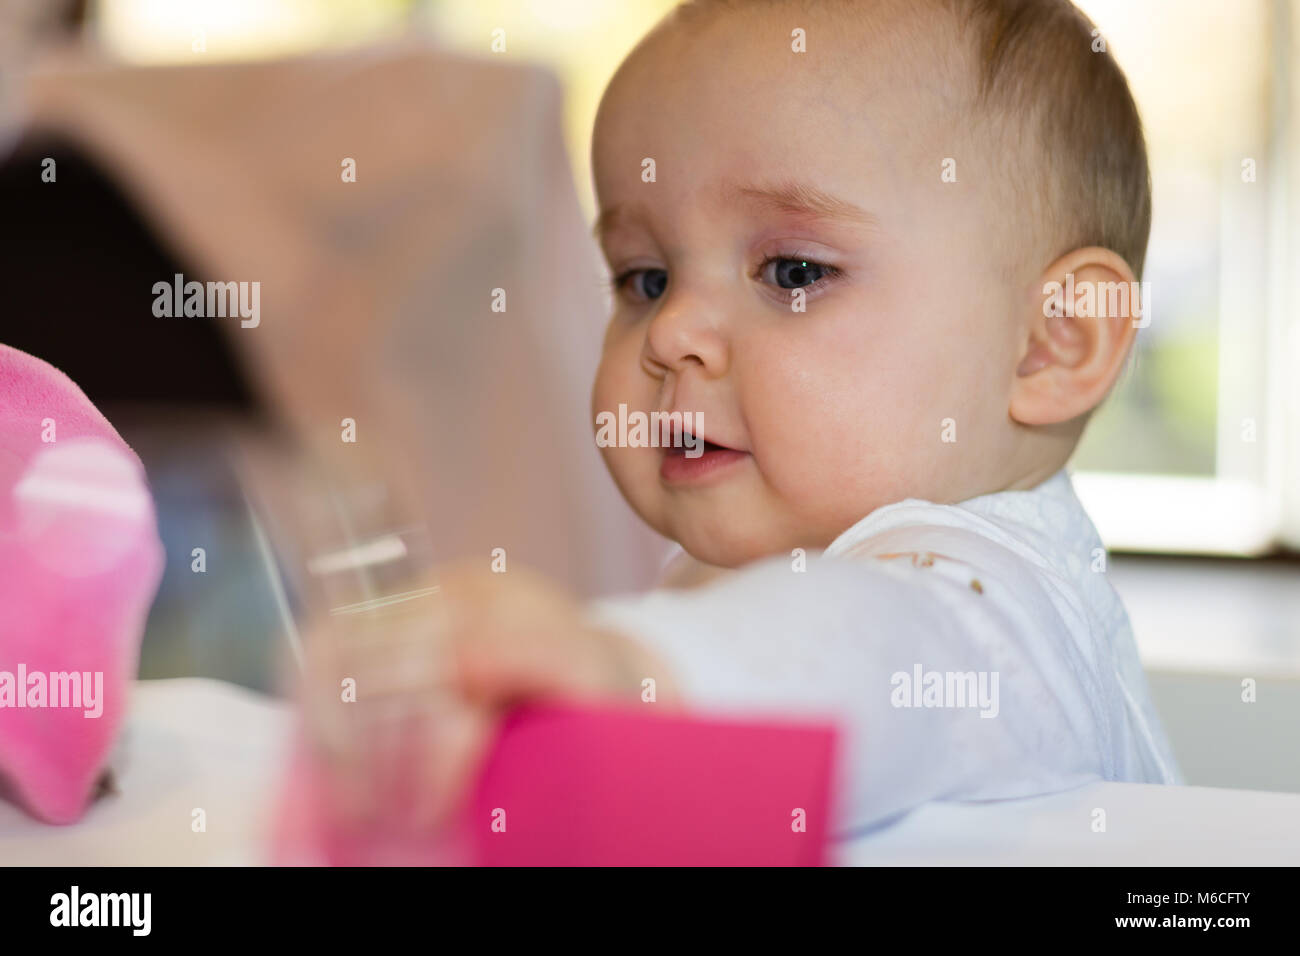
x=964 y=553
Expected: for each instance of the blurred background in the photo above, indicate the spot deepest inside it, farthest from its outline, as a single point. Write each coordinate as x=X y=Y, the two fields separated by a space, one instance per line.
x=205 y=136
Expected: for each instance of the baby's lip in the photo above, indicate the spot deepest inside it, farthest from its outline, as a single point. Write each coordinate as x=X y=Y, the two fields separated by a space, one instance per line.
x=698 y=460
x=678 y=433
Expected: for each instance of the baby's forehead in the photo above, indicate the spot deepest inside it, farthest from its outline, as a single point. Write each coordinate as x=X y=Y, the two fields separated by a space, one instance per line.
x=851 y=64
x=906 y=38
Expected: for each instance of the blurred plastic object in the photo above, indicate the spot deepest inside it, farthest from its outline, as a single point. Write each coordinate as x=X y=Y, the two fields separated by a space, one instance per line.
x=581 y=786
x=424 y=271
x=80 y=561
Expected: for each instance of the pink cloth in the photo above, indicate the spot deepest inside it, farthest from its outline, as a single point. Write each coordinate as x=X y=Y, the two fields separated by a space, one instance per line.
x=609 y=786
x=80 y=561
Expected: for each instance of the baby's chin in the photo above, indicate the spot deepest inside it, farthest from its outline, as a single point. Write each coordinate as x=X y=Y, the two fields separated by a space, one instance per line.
x=723 y=554
x=743 y=541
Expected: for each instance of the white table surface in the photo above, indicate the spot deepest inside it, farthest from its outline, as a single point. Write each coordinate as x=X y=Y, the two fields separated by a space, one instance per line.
x=1146 y=825
x=196 y=743
x=188 y=743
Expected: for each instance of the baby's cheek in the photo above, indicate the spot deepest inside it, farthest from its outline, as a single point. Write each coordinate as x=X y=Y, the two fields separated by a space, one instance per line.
x=838 y=441
x=798 y=431
x=605 y=388
x=636 y=475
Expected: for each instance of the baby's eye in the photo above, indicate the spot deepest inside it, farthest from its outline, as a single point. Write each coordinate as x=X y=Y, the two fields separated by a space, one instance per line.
x=794 y=273
x=646 y=284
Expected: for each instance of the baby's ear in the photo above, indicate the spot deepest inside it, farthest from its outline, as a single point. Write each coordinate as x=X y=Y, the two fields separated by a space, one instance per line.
x=1078 y=330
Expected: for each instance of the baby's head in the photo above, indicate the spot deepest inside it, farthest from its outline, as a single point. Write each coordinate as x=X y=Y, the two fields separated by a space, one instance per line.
x=922 y=172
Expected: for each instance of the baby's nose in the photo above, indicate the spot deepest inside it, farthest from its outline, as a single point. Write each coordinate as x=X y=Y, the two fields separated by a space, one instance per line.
x=681 y=337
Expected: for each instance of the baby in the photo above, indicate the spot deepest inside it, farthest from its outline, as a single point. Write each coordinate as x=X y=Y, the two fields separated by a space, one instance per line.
x=838 y=234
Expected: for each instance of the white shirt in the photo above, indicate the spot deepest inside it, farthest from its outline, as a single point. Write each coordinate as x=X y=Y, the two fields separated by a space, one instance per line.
x=1003 y=596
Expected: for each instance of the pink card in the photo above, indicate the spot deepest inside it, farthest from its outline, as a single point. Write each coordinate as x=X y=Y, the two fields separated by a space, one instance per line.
x=617 y=787
x=611 y=786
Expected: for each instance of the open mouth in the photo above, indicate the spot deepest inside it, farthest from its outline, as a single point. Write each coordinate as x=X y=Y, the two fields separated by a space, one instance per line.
x=689 y=443
x=693 y=459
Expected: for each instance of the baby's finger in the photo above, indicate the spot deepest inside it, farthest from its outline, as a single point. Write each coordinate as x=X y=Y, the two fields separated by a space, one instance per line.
x=457 y=738
x=359 y=678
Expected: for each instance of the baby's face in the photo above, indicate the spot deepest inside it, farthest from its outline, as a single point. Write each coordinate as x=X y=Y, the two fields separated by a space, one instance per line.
x=819 y=171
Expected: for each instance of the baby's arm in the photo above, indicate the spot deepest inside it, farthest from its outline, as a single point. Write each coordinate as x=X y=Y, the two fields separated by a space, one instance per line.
x=766 y=639
x=829 y=641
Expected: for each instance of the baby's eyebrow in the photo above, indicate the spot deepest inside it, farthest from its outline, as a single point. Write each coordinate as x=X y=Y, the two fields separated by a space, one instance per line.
x=605 y=221
x=787 y=196
x=794 y=197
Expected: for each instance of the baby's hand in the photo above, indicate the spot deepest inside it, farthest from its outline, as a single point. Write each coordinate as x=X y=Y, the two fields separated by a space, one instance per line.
x=432 y=681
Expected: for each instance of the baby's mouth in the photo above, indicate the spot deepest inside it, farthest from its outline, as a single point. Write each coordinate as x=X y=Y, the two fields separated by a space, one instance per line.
x=692 y=446
x=699 y=446
x=693 y=459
